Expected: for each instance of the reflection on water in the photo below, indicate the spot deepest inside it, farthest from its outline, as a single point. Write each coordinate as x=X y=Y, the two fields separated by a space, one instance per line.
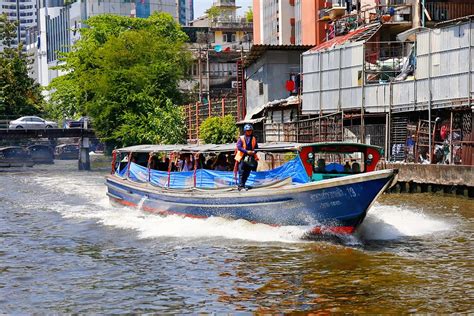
x=65 y=249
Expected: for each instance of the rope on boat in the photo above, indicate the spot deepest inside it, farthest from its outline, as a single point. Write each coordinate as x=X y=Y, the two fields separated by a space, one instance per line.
x=150 y=158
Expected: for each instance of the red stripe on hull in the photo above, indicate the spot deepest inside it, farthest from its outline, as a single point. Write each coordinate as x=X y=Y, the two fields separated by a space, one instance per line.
x=339 y=230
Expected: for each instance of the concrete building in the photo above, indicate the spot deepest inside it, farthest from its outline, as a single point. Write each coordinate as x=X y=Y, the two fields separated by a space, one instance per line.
x=288 y=22
x=23 y=12
x=269 y=99
x=137 y=8
x=185 y=11
x=267 y=70
x=217 y=43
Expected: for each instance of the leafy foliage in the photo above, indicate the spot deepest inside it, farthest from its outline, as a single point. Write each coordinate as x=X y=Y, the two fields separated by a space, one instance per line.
x=163 y=124
x=124 y=74
x=219 y=130
x=213 y=12
x=19 y=94
x=249 y=15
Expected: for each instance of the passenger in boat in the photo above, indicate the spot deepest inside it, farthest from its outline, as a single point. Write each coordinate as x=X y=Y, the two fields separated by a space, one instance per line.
x=209 y=164
x=230 y=162
x=355 y=167
x=347 y=167
x=186 y=163
x=166 y=164
x=201 y=162
x=221 y=163
x=246 y=155
x=154 y=163
x=320 y=166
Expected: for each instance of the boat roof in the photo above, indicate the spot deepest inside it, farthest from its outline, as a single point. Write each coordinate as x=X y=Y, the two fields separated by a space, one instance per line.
x=262 y=147
x=64 y=145
x=11 y=147
x=207 y=148
x=39 y=145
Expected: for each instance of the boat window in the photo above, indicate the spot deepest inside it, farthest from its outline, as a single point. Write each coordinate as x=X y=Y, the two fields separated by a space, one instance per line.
x=15 y=153
x=338 y=163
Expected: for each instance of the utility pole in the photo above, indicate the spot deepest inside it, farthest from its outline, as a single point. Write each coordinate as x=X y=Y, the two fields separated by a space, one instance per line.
x=200 y=75
x=208 y=75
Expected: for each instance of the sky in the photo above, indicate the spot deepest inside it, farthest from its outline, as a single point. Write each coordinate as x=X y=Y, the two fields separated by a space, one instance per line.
x=200 y=6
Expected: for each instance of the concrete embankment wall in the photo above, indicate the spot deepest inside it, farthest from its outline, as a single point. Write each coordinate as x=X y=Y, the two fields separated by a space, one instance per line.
x=413 y=178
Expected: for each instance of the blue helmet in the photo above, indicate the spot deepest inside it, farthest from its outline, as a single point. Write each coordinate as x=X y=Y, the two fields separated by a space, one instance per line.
x=248 y=127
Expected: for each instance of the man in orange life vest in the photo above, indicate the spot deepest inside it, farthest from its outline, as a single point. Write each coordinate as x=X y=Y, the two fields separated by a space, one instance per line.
x=246 y=155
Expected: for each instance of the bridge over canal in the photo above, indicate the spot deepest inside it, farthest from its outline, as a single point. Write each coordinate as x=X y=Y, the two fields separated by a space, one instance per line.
x=54 y=133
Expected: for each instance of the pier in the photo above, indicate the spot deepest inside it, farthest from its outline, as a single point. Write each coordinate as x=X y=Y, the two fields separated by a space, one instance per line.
x=420 y=178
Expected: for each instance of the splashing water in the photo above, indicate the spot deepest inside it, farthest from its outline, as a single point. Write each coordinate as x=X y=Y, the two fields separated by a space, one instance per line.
x=140 y=204
x=383 y=222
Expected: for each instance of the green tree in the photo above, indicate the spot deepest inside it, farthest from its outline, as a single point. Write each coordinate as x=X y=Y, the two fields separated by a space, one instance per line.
x=213 y=12
x=249 y=15
x=124 y=73
x=219 y=130
x=19 y=94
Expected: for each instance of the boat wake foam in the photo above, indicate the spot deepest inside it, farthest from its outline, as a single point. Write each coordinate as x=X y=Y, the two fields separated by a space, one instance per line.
x=387 y=222
x=383 y=222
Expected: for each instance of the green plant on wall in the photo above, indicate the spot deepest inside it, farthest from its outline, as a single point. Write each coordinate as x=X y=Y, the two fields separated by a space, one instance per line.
x=219 y=130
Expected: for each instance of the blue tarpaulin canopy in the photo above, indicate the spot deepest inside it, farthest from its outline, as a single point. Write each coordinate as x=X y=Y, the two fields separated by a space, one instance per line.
x=293 y=169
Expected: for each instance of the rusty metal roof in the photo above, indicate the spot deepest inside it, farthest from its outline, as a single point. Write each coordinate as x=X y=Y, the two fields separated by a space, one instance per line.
x=361 y=34
x=466 y=18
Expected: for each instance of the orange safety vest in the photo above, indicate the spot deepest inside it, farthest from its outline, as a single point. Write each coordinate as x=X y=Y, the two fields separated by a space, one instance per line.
x=239 y=155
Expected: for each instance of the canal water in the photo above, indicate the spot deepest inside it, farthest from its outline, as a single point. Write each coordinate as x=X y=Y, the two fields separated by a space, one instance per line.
x=65 y=249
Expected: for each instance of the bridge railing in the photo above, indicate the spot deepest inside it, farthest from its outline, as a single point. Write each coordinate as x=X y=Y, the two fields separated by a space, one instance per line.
x=4 y=123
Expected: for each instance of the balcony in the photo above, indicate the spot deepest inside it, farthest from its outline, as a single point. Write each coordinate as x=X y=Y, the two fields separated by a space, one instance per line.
x=443 y=11
x=388 y=14
x=239 y=23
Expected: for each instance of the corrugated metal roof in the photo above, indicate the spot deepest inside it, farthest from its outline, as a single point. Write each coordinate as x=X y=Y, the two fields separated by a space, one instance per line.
x=349 y=37
x=258 y=50
x=282 y=102
x=447 y=23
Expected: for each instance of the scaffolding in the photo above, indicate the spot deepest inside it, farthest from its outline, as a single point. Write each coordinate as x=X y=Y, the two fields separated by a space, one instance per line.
x=196 y=113
x=319 y=129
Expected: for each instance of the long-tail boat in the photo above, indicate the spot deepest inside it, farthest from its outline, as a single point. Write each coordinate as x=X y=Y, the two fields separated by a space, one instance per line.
x=325 y=187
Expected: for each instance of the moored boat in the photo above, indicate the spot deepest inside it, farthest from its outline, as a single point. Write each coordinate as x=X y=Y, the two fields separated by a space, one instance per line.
x=14 y=157
x=66 y=151
x=325 y=187
x=41 y=154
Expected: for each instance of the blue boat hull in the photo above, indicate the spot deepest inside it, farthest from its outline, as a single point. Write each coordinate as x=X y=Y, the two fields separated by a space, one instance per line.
x=334 y=206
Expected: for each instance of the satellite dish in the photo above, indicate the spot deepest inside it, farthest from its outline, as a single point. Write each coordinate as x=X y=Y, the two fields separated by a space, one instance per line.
x=218 y=48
